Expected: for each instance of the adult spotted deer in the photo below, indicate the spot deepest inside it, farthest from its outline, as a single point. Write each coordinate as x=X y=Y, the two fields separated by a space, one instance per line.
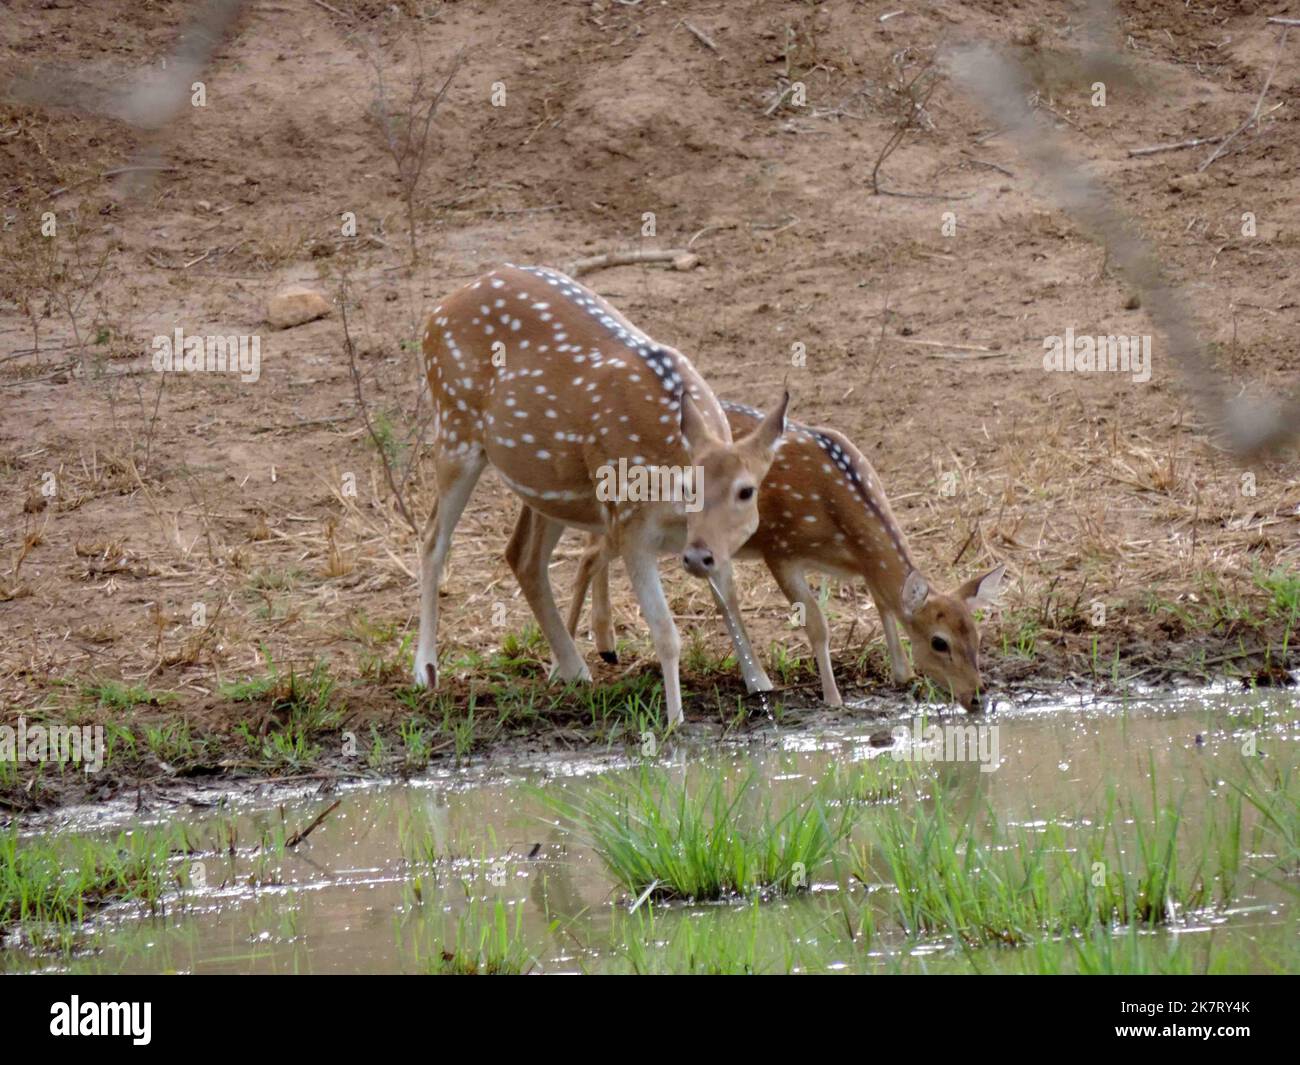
x=822 y=507
x=537 y=375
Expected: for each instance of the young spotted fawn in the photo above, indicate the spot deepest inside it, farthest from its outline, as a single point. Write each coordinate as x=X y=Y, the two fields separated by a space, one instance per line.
x=822 y=508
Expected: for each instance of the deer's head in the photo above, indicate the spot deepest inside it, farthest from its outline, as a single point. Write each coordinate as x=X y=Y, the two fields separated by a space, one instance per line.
x=945 y=638
x=728 y=474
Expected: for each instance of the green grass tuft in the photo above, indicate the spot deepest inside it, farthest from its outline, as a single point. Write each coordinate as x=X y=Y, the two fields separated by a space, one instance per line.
x=62 y=882
x=718 y=841
x=485 y=944
x=983 y=883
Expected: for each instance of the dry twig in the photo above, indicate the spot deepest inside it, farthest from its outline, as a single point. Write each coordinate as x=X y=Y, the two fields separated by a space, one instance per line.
x=1254 y=115
x=679 y=257
x=303 y=833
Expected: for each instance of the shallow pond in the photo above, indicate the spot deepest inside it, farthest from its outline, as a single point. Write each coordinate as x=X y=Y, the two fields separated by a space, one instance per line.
x=400 y=876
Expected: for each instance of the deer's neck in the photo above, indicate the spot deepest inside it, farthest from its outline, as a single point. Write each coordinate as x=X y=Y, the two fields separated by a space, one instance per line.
x=874 y=538
x=885 y=573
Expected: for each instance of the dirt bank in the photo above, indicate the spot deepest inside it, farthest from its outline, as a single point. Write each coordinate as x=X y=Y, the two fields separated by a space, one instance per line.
x=178 y=552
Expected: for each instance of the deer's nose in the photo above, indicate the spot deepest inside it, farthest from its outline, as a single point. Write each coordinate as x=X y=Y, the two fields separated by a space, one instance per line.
x=974 y=704
x=698 y=560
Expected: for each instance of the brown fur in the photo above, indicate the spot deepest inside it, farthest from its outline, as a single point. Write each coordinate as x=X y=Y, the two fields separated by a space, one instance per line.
x=822 y=508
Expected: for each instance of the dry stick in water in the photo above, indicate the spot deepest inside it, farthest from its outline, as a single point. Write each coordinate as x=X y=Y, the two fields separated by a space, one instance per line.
x=303 y=833
x=998 y=84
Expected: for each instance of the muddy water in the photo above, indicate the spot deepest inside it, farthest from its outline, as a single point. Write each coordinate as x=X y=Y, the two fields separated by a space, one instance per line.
x=383 y=883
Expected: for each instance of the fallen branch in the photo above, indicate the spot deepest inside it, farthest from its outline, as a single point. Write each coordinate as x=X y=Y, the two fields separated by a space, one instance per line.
x=59 y=372
x=514 y=210
x=700 y=36
x=1195 y=142
x=971 y=536
x=303 y=833
x=679 y=257
x=1259 y=652
x=969 y=356
x=993 y=166
x=780 y=98
x=882 y=191
x=707 y=230
x=160 y=169
x=1254 y=115
x=332 y=10
x=946 y=344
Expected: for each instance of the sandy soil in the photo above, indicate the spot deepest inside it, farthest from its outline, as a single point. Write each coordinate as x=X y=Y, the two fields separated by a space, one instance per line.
x=130 y=497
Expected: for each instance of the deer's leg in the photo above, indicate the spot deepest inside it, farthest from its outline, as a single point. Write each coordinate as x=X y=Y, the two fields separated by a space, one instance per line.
x=723 y=587
x=794 y=584
x=581 y=582
x=641 y=559
x=521 y=536
x=456 y=479
x=898 y=664
x=529 y=555
x=594 y=567
x=602 y=614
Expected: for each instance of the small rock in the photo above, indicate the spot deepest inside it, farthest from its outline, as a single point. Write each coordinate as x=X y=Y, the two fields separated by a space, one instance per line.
x=686 y=262
x=294 y=305
x=1133 y=302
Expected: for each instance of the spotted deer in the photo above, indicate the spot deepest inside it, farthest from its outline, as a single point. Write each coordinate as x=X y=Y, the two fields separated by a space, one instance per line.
x=540 y=377
x=822 y=508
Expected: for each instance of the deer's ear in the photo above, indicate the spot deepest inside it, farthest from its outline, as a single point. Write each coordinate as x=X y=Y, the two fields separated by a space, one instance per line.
x=769 y=432
x=915 y=591
x=980 y=593
x=696 y=433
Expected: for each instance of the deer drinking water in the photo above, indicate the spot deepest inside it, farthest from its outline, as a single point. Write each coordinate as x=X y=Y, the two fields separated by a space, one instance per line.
x=534 y=373
x=822 y=508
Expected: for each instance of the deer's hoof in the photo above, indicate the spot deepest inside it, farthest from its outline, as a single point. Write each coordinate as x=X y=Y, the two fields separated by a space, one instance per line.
x=580 y=676
x=426 y=673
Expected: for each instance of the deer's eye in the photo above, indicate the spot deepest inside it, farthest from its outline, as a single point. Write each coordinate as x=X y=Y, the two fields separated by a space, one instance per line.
x=746 y=493
x=939 y=644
